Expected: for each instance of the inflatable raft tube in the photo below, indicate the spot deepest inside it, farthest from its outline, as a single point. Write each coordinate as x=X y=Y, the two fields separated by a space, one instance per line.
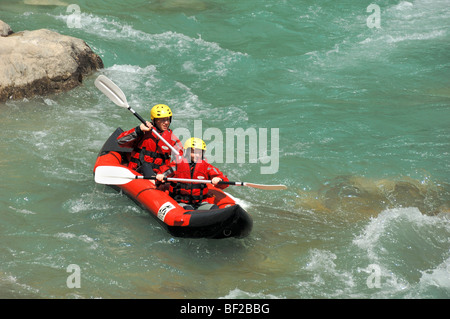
x=230 y=220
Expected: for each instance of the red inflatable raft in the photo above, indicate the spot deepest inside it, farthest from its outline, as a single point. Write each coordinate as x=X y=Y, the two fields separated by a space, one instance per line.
x=230 y=220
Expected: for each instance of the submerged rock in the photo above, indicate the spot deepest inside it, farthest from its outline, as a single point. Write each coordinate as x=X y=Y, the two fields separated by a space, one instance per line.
x=177 y=5
x=369 y=197
x=46 y=2
x=42 y=62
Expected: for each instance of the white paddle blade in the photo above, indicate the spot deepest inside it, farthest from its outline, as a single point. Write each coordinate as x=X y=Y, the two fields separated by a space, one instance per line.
x=113 y=175
x=111 y=90
x=268 y=187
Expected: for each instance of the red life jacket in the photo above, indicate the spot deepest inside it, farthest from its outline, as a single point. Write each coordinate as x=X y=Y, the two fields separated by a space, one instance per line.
x=148 y=148
x=191 y=193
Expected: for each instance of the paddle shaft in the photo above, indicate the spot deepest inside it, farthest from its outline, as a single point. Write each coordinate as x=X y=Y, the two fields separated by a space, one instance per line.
x=117 y=175
x=137 y=115
x=187 y=180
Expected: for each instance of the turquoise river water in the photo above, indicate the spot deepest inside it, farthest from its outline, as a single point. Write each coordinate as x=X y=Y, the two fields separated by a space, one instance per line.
x=345 y=102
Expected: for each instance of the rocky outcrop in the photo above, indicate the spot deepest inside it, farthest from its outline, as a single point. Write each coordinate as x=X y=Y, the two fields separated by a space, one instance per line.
x=368 y=197
x=42 y=62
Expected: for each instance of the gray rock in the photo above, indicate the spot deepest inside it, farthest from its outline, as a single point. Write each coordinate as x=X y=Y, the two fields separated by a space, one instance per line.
x=43 y=62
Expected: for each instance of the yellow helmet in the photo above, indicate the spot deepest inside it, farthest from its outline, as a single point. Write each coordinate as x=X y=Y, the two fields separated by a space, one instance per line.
x=160 y=111
x=195 y=142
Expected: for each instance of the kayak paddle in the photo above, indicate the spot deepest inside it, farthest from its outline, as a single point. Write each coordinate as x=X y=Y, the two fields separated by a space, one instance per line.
x=115 y=94
x=116 y=175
